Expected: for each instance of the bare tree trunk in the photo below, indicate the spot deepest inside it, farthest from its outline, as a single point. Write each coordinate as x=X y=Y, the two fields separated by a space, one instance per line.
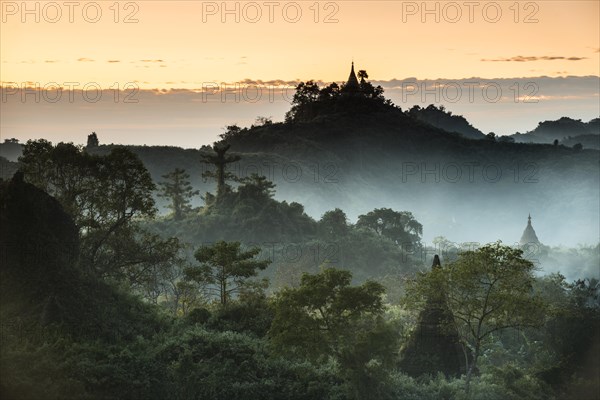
x=471 y=369
x=223 y=291
x=466 y=354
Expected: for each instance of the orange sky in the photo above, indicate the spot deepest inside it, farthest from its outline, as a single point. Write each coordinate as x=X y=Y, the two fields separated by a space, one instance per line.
x=185 y=44
x=170 y=45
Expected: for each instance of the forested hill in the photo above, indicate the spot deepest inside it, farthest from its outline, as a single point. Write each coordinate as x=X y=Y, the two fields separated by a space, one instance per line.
x=386 y=158
x=440 y=118
x=391 y=159
x=566 y=131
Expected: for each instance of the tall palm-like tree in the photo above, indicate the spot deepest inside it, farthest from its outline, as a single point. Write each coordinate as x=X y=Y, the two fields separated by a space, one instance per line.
x=362 y=74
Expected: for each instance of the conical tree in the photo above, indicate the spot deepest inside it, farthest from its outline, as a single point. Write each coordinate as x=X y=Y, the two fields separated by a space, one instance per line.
x=178 y=189
x=220 y=161
x=226 y=268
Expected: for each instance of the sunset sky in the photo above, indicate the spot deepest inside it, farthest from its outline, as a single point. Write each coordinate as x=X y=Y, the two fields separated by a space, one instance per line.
x=188 y=44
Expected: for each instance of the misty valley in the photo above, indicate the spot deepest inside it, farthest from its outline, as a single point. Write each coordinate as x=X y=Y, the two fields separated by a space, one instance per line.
x=355 y=250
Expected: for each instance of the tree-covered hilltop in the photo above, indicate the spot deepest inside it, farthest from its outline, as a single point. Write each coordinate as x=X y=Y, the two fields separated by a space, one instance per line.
x=311 y=102
x=389 y=158
x=565 y=131
x=440 y=118
x=591 y=141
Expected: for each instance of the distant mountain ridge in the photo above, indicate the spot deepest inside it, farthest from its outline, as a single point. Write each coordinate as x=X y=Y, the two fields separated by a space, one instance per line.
x=566 y=130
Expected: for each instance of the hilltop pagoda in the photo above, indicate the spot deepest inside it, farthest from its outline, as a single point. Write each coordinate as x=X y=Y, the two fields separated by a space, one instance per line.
x=352 y=85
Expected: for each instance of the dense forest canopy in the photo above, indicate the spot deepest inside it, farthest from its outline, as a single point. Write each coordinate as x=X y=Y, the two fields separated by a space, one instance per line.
x=241 y=293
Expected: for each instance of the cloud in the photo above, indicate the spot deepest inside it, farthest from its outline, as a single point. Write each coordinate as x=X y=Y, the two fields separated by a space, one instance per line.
x=50 y=61
x=84 y=59
x=114 y=61
x=191 y=117
x=535 y=58
x=561 y=84
x=152 y=61
x=275 y=82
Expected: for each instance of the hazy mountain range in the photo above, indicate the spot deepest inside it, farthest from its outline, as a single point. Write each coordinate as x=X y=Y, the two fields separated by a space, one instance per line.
x=464 y=189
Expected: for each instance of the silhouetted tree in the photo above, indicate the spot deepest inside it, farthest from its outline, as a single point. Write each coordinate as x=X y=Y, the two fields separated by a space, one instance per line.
x=327 y=317
x=231 y=131
x=362 y=75
x=256 y=187
x=399 y=226
x=63 y=171
x=261 y=121
x=487 y=290
x=225 y=266
x=329 y=93
x=220 y=161
x=104 y=195
x=178 y=189
x=304 y=102
x=334 y=224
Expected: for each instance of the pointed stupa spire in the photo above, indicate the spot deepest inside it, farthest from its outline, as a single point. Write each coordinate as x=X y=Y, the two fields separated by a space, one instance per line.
x=529 y=235
x=352 y=84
